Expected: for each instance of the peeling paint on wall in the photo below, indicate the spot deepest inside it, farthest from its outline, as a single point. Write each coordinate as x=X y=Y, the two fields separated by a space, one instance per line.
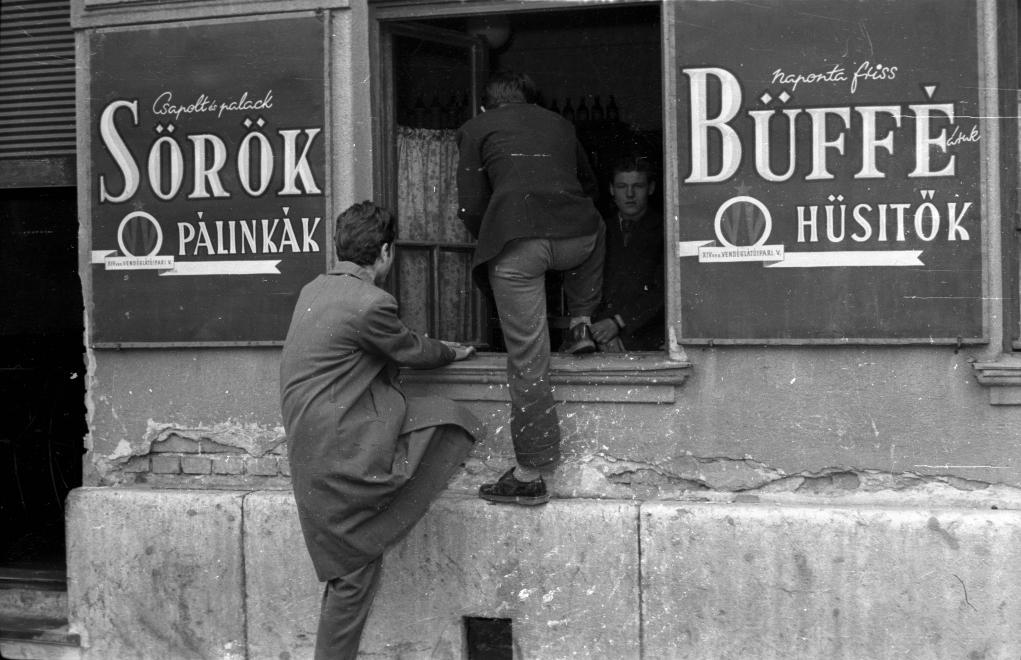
x=166 y=438
x=254 y=439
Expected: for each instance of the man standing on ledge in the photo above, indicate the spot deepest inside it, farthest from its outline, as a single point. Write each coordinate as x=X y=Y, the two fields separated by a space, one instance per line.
x=365 y=462
x=526 y=192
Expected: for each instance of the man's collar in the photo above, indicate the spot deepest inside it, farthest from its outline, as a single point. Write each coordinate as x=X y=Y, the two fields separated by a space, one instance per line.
x=351 y=268
x=621 y=219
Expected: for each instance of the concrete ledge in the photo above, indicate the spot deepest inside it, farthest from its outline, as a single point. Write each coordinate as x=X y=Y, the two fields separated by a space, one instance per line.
x=756 y=581
x=566 y=574
x=156 y=573
x=282 y=592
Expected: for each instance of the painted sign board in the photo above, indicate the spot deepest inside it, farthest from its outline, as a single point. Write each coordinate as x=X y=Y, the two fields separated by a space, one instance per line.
x=829 y=165
x=208 y=175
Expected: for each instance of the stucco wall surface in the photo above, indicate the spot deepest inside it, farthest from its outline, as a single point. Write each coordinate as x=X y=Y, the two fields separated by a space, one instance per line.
x=156 y=573
x=189 y=574
x=738 y=581
x=566 y=574
x=748 y=417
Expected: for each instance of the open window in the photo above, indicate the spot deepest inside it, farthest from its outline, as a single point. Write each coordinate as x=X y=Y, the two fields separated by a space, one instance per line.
x=599 y=66
x=432 y=80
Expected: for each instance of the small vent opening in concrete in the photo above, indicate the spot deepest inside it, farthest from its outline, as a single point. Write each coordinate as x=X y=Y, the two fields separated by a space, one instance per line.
x=489 y=639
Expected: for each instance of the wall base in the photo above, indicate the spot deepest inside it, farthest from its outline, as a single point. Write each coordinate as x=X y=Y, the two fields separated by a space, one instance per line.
x=157 y=573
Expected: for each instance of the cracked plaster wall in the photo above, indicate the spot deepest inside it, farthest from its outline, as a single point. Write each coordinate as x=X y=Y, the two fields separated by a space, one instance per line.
x=812 y=420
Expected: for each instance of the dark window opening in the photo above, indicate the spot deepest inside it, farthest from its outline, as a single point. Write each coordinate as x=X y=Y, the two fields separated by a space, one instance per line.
x=600 y=67
x=42 y=374
x=489 y=639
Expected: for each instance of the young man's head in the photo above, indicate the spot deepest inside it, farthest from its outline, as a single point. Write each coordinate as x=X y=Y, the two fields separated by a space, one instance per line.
x=365 y=235
x=633 y=181
x=509 y=87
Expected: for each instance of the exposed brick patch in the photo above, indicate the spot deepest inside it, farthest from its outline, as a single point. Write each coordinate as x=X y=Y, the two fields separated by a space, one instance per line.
x=265 y=466
x=208 y=446
x=228 y=464
x=137 y=464
x=175 y=444
x=285 y=467
x=196 y=464
x=166 y=464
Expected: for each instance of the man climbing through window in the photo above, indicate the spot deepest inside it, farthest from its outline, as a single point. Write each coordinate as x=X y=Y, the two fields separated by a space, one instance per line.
x=526 y=192
x=366 y=461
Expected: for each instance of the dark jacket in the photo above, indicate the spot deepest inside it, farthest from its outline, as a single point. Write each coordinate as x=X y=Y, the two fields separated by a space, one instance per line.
x=633 y=281
x=522 y=174
x=344 y=413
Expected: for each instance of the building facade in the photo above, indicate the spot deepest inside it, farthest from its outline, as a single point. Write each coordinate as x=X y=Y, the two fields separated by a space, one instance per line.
x=820 y=462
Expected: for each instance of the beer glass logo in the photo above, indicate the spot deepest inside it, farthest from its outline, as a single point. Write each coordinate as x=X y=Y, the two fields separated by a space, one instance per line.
x=743 y=225
x=139 y=235
x=743 y=221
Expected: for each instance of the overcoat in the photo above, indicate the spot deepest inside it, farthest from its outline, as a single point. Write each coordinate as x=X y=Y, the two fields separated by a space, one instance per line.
x=522 y=174
x=353 y=438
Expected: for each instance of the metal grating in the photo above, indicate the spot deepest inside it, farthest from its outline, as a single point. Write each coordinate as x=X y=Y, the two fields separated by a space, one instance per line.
x=37 y=81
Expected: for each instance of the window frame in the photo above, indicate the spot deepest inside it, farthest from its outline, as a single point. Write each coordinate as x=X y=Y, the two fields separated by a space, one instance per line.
x=385 y=32
x=392 y=12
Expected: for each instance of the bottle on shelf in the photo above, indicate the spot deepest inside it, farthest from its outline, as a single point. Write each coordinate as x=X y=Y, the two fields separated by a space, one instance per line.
x=436 y=113
x=597 y=110
x=450 y=113
x=420 y=112
x=612 y=113
x=553 y=107
x=568 y=112
x=582 y=113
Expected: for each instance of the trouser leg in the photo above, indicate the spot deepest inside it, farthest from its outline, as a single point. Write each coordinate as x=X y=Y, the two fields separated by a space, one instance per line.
x=583 y=274
x=448 y=446
x=518 y=279
x=344 y=610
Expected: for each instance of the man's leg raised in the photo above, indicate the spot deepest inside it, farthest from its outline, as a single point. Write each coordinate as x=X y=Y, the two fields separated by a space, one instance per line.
x=517 y=276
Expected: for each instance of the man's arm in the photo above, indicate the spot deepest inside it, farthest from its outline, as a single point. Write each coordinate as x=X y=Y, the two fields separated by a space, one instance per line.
x=473 y=190
x=382 y=332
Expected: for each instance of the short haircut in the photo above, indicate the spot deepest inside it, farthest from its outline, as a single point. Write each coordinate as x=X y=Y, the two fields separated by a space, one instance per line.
x=361 y=231
x=634 y=164
x=509 y=87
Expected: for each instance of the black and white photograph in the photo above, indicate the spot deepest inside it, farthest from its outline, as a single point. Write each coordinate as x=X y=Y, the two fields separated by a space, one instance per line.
x=510 y=329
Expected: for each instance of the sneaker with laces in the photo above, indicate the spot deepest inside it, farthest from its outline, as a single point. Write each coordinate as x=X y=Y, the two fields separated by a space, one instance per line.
x=508 y=490
x=579 y=340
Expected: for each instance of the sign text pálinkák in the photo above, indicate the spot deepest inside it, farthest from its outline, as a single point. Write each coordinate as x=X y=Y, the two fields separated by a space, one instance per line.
x=208 y=179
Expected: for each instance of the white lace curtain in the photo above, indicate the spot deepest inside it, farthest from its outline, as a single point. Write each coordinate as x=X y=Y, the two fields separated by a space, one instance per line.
x=427 y=213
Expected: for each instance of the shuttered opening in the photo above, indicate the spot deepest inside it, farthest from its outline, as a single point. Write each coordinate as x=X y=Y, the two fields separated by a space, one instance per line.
x=37 y=118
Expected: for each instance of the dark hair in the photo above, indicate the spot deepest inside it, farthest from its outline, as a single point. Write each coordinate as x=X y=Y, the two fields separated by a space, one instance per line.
x=633 y=163
x=509 y=87
x=361 y=231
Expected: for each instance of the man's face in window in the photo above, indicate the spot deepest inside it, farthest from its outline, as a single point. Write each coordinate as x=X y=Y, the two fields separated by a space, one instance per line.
x=631 y=192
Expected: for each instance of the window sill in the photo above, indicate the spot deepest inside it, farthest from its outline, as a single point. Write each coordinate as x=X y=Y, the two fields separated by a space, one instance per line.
x=630 y=378
x=1003 y=378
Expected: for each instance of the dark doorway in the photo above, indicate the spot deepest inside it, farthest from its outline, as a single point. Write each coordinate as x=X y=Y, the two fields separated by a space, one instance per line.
x=42 y=374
